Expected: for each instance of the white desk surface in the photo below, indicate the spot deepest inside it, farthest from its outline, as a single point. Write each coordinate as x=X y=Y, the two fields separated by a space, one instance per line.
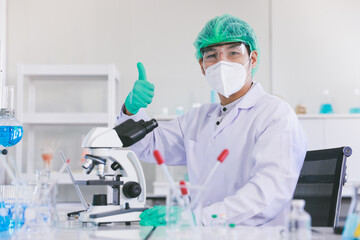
x=135 y=232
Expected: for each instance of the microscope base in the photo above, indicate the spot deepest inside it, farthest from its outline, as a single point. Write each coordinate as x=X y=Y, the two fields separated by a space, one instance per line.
x=110 y=214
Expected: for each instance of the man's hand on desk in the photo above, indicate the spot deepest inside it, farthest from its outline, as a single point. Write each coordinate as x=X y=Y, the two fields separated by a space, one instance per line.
x=156 y=216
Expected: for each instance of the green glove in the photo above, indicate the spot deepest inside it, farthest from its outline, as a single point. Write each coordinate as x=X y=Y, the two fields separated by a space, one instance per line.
x=156 y=216
x=141 y=94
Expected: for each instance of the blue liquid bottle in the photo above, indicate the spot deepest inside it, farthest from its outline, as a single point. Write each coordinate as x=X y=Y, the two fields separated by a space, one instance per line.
x=326 y=107
x=356 y=105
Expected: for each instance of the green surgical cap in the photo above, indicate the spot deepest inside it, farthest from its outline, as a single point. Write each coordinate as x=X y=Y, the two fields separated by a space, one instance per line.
x=226 y=28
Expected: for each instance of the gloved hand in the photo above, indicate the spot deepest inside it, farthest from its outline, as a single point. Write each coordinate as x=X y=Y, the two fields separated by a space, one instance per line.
x=142 y=93
x=156 y=216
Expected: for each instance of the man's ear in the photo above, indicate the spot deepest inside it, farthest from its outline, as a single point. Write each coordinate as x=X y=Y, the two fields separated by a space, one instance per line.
x=201 y=66
x=254 y=59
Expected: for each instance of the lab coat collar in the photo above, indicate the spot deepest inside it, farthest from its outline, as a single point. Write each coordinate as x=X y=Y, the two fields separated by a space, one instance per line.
x=250 y=99
x=247 y=101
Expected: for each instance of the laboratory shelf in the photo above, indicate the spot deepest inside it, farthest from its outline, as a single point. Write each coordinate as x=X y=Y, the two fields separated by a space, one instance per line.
x=300 y=116
x=29 y=81
x=67 y=70
x=65 y=118
x=63 y=178
x=164 y=118
x=328 y=116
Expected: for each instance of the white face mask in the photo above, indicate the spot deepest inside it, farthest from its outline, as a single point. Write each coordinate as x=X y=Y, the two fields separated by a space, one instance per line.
x=226 y=78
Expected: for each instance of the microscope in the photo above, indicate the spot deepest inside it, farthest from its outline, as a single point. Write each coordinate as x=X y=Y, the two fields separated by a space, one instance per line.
x=126 y=177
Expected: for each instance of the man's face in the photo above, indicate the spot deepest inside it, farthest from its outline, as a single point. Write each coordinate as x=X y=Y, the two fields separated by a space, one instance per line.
x=231 y=52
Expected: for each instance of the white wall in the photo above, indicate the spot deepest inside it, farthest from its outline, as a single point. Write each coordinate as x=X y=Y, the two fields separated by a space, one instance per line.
x=160 y=33
x=316 y=46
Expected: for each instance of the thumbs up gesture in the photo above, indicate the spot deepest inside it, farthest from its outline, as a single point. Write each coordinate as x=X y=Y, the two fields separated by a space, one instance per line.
x=142 y=93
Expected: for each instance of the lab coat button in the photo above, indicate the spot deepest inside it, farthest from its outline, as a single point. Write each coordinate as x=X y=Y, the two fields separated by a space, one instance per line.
x=224 y=109
x=218 y=122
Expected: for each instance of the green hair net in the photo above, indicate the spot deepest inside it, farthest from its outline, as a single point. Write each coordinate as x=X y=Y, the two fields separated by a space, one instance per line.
x=226 y=28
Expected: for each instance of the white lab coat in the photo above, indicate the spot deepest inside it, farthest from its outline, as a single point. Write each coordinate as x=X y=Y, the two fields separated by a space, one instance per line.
x=266 y=144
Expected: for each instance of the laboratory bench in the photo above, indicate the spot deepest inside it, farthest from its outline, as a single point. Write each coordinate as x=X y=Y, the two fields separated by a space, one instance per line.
x=135 y=231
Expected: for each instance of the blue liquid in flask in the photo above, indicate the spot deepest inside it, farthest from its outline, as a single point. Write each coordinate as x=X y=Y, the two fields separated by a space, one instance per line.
x=10 y=135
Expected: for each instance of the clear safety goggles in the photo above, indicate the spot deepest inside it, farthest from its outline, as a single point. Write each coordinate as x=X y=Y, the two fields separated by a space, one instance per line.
x=231 y=51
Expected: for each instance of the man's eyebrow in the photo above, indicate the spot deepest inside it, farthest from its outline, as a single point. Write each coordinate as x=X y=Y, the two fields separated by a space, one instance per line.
x=229 y=46
x=234 y=45
x=208 y=49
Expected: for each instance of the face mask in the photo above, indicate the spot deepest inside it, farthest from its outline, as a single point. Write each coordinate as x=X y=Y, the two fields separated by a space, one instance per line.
x=226 y=78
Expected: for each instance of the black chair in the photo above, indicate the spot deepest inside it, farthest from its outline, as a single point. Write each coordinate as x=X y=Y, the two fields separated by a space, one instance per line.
x=320 y=184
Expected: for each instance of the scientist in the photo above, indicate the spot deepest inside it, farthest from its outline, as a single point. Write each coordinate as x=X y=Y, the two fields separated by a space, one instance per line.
x=266 y=143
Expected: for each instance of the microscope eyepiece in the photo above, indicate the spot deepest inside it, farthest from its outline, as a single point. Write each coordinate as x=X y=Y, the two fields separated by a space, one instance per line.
x=150 y=125
x=131 y=132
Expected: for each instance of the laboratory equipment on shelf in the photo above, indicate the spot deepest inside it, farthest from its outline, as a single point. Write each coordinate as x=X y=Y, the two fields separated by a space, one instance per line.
x=326 y=106
x=300 y=109
x=126 y=178
x=47 y=153
x=356 y=104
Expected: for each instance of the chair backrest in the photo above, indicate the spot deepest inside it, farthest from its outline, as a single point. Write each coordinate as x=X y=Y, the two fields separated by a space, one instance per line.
x=320 y=184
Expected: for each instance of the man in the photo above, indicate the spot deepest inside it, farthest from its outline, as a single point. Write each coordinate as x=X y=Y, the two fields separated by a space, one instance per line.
x=266 y=143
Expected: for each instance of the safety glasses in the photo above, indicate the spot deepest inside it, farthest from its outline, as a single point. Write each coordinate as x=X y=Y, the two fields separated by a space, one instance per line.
x=231 y=51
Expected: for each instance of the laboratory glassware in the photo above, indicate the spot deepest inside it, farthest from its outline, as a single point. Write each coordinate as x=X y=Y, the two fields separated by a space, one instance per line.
x=181 y=219
x=11 y=131
x=299 y=221
x=326 y=106
x=356 y=104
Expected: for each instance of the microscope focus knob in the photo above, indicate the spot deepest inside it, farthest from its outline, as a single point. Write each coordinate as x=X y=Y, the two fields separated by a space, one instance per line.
x=131 y=189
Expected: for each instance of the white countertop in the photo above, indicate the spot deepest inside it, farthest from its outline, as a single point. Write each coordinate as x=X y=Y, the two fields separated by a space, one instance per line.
x=135 y=231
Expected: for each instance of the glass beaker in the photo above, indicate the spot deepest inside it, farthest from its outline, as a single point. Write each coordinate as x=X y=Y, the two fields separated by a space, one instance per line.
x=14 y=200
x=45 y=200
x=183 y=217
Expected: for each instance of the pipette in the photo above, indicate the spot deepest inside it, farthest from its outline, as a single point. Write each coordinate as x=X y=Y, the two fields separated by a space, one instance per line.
x=220 y=159
x=86 y=206
x=161 y=161
x=187 y=210
x=184 y=193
